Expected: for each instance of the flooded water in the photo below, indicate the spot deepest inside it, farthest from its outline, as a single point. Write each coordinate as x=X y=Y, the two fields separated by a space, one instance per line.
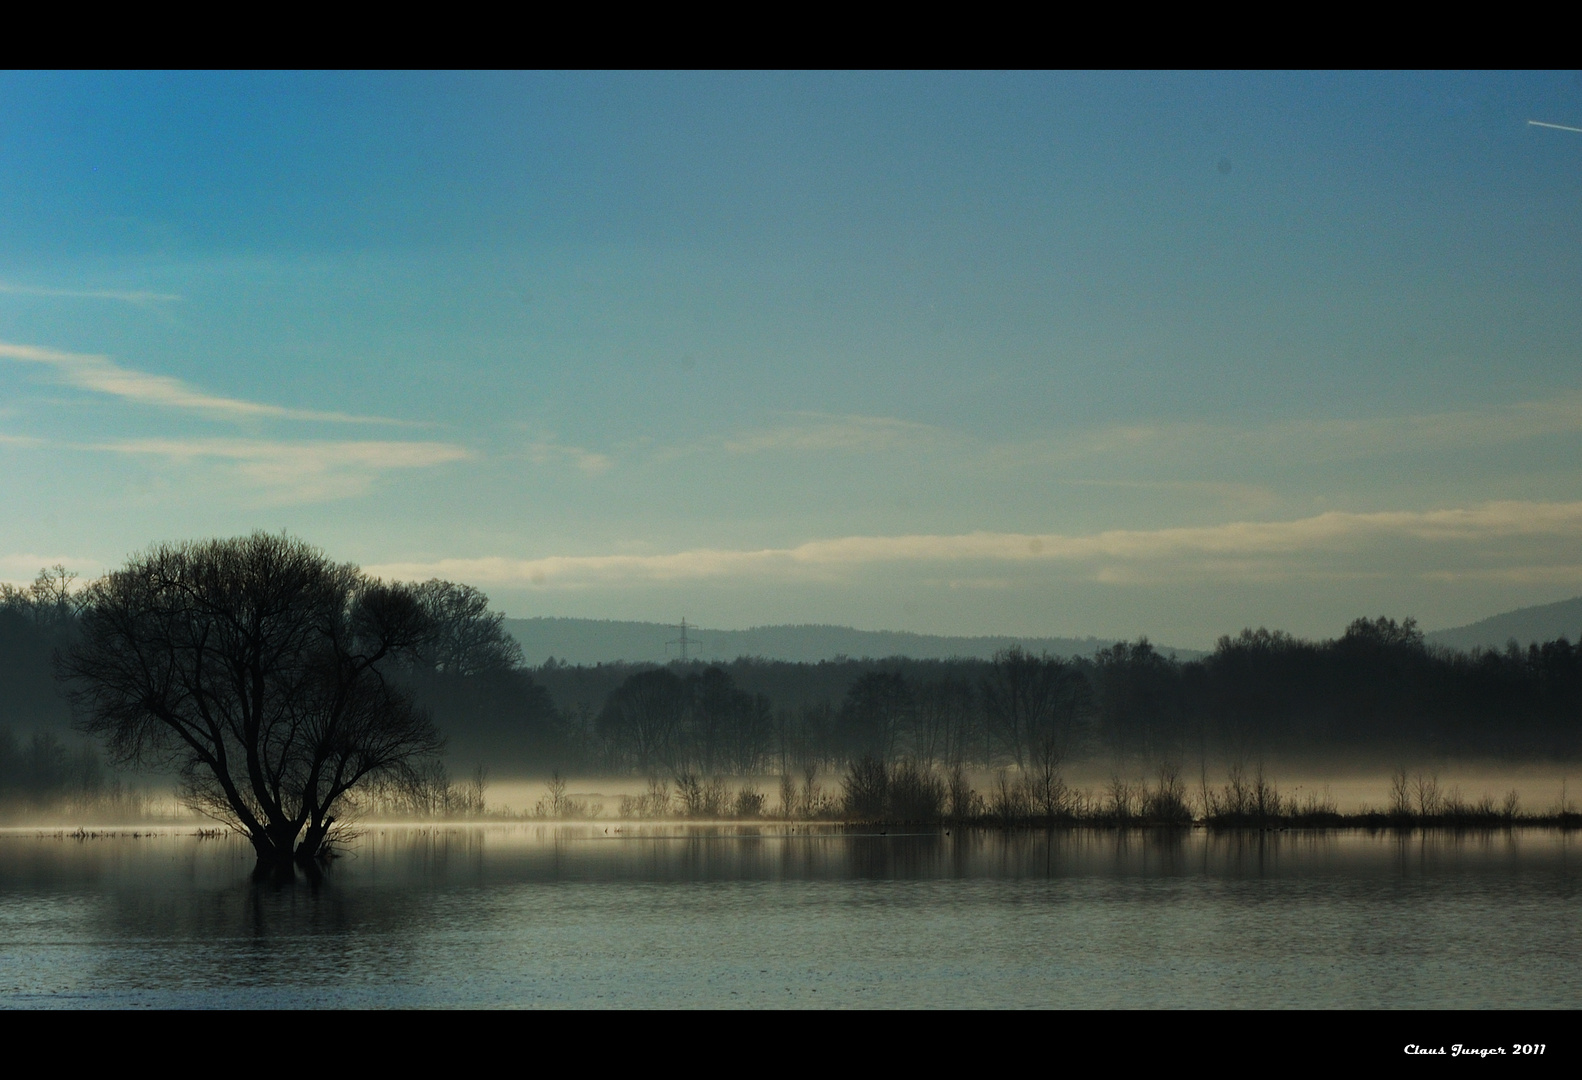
x=676 y=916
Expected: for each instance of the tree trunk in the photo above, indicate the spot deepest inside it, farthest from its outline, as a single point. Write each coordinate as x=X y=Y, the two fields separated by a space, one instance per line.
x=275 y=866
x=313 y=846
x=275 y=854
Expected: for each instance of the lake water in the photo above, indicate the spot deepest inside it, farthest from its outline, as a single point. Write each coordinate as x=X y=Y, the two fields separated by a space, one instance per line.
x=733 y=916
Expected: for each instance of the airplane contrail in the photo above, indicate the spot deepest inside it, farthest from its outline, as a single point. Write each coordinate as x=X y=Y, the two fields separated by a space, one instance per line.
x=1557 y=127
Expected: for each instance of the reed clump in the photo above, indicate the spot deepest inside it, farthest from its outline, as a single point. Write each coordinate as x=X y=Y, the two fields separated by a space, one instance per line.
x=556 y=804
x=1036 y=796
x=694 y=797
x=653 y=803
x=1247 y=799
x=874 y=791
x=1420 y=801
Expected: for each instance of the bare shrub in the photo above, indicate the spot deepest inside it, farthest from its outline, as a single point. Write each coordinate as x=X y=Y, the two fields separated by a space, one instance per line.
x=1122 y=799
x=689 y=794
x=654 y=803
x=557 y=805
x=715 y=801
x=1430 y=802
x=964 y=802
x=1316 y=806
x=553 y=803
x=1266 y=801
x=1168 y=801
x=749 y=802
x=1008 y=799
x=1400 y=794
x=1236 y=800
x=1245 y=801
x=1084 y=805
x=1563 y=806
x=866 y=787
x=1045 y=788
x=916 y=794
x=814 y=802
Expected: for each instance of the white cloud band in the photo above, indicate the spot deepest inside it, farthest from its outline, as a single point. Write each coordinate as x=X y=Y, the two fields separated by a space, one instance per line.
x=304 y=471
x=1503 y=537
x=102 y=375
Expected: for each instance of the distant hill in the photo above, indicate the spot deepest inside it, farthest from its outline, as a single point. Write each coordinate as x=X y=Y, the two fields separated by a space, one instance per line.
x=1542 y=623
x=593 y=641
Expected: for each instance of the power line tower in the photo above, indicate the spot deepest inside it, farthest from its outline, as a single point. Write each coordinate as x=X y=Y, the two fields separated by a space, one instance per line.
x=683 y=641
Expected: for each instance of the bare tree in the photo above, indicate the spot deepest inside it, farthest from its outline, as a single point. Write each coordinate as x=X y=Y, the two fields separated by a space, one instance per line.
x=1035 y=704
x=878 y=707
x=257 y=668
x=49 y=601
x=942 y=722
x=646 y=713
x=464 y=636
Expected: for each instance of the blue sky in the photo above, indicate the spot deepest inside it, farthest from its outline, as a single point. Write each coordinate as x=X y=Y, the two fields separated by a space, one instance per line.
x=1119 y=354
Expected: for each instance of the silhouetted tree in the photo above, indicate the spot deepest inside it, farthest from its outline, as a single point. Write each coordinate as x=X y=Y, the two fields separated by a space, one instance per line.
x=866 y=787
x=715 y=711
x=877 y=709
x=464 y=637
x=468 y=672
x=644 y=715
x=35 y=622
x=260 y=670
x=1383 y=633
x=1036 y=705
x=49 y=601
x=944 y=725
x=1139 y=706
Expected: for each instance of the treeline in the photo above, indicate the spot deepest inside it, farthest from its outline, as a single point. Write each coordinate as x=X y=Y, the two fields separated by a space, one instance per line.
x=35 y=622
x=40 y=771
x=1378 y=694
x=1375 y=695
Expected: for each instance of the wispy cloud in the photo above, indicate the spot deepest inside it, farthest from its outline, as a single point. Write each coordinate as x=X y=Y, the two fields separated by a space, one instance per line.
x=547 y=451
x=1303 y=439
x=133 y=296
x=1227 y=493
x=307 y=471
x=100 y=374
x=1501 y=535
x=820 y=432
x=1132 y=454
x=1560 y=573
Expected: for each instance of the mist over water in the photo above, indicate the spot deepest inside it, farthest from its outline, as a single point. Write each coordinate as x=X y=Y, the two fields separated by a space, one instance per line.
x=667 y=915
x=1540 y=786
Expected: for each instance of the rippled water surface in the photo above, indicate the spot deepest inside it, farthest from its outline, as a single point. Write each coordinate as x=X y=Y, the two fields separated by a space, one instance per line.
x=675 y=916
